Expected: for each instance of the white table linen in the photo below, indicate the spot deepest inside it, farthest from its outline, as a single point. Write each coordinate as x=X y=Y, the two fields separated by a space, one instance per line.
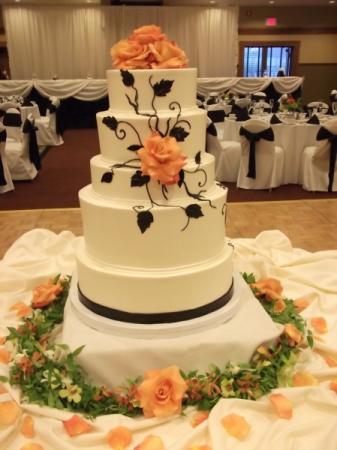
x=40 y=254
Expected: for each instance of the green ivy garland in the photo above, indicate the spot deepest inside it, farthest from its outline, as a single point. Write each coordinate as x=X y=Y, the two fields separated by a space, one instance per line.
x=48 y=374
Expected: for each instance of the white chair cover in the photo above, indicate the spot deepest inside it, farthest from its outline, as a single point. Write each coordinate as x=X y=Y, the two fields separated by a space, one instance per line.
x=13 y=122
x=9 y=186
x=18 y=159
x=243 y=102
x=46 y=126
x=227 y=155
x=316 y=161
x=269 y=160
x=321 y=106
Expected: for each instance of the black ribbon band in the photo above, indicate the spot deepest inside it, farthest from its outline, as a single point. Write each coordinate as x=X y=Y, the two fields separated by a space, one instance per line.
x=3 y=182
x=12 y=120
x=322 y=134
x=34 y=155
x=266 y=134
x=168 y=317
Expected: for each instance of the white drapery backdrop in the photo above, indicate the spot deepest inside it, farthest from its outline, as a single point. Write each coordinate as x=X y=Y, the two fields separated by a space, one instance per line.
x=74 y=42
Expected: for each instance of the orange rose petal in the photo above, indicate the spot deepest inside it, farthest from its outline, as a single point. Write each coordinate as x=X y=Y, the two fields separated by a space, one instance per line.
x=279 y=305
x=333 y=385
x=5 y=356
x=304 y=379
x=199 y=447
x=2 y=340
x=319 y=324
x=294 y=333
x=198 y=418
x=32 y=446
x=76 y=425
x=151 y=442
x=268 y=283
x=236 y=425
x=9 y=413
x=282 y=405
x=119 y=438
x=300 y=304
x=330 y=360
x=27 y=427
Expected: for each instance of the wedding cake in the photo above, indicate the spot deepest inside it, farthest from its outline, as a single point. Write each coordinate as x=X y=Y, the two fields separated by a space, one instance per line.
x=154 y=248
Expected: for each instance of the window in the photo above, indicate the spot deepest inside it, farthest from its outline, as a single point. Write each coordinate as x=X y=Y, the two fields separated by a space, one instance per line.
x=265 y=59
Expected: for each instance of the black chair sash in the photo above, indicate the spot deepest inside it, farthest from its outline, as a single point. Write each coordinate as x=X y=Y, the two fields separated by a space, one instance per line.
x=3 y=182
x=211 y=130
x=216 y=115
x=322 y=134
x=241 y=113
x=34 y=155
x=266 y=134
x=12 y=120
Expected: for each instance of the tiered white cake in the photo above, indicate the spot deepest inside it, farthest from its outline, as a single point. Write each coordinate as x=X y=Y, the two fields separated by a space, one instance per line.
x=153 y=252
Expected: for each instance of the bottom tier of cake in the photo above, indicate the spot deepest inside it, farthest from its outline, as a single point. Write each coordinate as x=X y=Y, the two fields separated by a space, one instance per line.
x=116 y=351
x=135 y=291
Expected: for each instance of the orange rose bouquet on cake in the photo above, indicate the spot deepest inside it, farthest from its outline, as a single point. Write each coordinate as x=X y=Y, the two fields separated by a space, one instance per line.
x=148 y=48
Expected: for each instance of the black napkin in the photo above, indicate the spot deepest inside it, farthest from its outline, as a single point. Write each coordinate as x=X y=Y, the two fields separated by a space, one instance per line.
x=241 y=113
x=314 y=120
x=274 y=119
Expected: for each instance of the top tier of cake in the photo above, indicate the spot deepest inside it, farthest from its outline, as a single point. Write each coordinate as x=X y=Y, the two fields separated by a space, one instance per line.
x=182 y=90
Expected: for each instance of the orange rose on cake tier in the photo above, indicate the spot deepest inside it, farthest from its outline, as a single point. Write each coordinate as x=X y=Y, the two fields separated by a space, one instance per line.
x=148 y=34
x=161 y=393
x=168 y=55
x=161 y=159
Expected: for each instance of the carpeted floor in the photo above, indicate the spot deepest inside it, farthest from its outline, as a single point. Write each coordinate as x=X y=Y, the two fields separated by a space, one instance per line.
x=65 y=169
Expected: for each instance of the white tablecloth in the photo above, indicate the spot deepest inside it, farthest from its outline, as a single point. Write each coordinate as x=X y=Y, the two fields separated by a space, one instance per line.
x=292 y=137
x=40 y=254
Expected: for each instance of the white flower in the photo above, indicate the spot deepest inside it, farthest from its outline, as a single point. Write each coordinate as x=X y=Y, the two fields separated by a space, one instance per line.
x=53 y=378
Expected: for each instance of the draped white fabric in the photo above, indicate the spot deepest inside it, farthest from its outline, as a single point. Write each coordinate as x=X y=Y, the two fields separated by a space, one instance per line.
x=89 y=89
x=74 y=42
x=40 y=254
x=248 y=85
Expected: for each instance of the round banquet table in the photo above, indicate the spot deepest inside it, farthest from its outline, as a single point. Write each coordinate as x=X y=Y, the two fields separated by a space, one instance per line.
x=292 y=137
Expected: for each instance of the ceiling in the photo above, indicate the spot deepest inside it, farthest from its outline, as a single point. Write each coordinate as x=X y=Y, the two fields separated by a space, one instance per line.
x=215 y=3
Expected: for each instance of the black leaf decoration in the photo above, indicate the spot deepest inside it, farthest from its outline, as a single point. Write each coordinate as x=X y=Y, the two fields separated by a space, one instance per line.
x=194 y=211
x=179 y=133
x=135 y=147
x=111 y=122
x=162 y=88
x=138 y=180
x=107 y=177
x=181 y=177
x=127 y=78
x=144 y=220
x=197 y=158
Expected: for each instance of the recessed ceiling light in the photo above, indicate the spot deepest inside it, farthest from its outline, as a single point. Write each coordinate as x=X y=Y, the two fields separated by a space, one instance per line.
x=17 y=1
x=332 y=2
x=271 y=2
x=212 y=2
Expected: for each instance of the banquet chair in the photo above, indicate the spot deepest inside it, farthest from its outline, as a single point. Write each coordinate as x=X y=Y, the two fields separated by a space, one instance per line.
x=6 y=183
x=262 y=163
x=319 y=161
x=47 y=127
x=12 y=121
x=227 y=155
x=243 y=102
x=23 y=156
x=216 y=112
x=320 y=106
x=259 y=96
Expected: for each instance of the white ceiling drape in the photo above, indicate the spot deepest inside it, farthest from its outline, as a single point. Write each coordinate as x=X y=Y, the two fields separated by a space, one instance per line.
x=74 y=42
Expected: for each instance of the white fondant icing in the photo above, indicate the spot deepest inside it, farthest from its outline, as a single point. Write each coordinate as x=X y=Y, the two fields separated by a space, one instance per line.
x=183 y=90
x=119 y=188
x=112 y=234
x=137 y=290
x=117 y=150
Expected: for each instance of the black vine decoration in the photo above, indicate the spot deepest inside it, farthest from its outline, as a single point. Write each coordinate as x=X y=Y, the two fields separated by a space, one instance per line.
x=179 y=129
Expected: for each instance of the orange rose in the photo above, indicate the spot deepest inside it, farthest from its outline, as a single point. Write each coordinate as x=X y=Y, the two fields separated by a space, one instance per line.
x=161 y=392
x=130 y=54
x=168 y=55
x=161 y=158
x=45 y=294
x=147 y=34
